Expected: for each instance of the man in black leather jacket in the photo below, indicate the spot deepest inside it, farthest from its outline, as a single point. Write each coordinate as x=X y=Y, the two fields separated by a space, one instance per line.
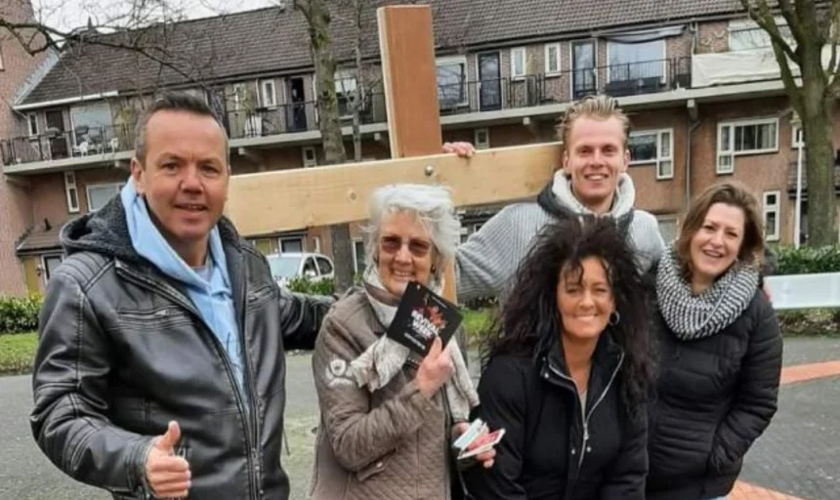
x=160 y=370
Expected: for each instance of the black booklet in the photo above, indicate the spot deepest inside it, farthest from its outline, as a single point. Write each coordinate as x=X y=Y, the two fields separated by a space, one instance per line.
x=421 y=316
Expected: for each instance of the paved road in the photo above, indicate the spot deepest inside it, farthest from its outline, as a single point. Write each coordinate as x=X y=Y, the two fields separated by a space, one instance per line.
x=798 y=455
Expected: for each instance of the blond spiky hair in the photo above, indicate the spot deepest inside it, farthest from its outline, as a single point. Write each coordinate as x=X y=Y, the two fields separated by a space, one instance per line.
x=599 y=107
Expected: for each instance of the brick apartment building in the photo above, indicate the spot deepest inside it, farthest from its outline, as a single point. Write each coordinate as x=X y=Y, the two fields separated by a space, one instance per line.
x=17 y=71
x=698 y=79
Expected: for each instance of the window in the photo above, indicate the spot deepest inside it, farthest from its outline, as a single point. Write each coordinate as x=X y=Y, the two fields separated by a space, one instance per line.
x=32 y=124
x=309 y=269
x=653 y=147
x=239 y=95
x=667 y=228
x=358 y=256
x=92 y=128
x=797 y=136
x=742 y=138
x=317 y=243
x=452 y=81
x=71 y=191
x=636 y=61
x=49 y=263
x=100 y=194
x=771 y=215
x=269 y=94
x=324 y=266
x=517 y=62
x=292 y=245
x=310 y=158
x=552 y=59
x=482 y=138
x=746 y=35
x=345 y=86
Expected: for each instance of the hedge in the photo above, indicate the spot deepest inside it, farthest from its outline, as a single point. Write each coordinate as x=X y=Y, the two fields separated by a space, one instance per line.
x=807 y=260
x=19 y=314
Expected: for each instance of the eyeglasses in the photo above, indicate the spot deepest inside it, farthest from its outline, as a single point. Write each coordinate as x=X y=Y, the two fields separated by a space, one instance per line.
x=418 y=248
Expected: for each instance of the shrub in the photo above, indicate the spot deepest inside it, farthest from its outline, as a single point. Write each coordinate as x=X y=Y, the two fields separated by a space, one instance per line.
x=807 y=260
x=304 y=285
x=19 y=314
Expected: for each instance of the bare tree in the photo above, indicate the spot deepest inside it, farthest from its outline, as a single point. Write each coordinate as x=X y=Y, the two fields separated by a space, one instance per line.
x=318 y=20
x=812 y=26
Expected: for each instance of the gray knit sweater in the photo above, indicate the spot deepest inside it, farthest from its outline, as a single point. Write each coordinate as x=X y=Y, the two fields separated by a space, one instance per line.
x=487 y=262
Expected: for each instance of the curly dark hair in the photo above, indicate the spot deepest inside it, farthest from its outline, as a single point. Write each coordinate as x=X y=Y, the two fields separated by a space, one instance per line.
x=529 y=320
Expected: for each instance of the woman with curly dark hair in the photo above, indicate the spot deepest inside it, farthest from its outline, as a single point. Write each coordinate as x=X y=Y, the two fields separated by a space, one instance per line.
x=567 y=372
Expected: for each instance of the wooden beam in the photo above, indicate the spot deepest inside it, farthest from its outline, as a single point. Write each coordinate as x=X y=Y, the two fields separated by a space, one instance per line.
x=406 y=44
x=268 y=202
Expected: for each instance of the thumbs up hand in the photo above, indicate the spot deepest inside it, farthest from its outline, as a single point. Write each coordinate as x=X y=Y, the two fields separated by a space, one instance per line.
x=167 y=475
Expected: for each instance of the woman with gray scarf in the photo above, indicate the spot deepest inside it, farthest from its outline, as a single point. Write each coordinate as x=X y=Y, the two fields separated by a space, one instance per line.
x=388 y=416
x=718 y=347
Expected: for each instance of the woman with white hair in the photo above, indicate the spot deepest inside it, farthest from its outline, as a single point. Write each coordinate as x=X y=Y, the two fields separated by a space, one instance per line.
x=387 y=415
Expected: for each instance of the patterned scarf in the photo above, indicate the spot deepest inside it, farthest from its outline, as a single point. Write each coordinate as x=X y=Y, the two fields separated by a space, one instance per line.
x=692 y=316
x=385 y=358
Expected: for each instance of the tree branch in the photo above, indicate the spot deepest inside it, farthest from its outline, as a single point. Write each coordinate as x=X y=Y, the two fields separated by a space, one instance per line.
x=763 y=17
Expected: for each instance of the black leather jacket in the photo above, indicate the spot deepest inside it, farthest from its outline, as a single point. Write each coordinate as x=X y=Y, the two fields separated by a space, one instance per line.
x=123 y=351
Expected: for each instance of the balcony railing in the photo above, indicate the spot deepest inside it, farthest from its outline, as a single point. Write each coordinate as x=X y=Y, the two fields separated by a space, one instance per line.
x=644 y=77
x=56 y=145
x=297 y=117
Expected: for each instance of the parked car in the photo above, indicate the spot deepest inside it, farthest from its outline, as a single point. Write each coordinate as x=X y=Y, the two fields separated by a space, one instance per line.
x=312 y=266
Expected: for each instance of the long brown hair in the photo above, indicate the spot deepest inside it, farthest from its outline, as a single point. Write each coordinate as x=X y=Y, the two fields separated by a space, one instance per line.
x=731 y=193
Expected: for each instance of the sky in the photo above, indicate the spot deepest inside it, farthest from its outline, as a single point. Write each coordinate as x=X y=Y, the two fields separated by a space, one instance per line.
x=68 y=14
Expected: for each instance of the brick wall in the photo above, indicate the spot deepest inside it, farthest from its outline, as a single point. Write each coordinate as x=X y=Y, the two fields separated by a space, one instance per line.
x=15 y=208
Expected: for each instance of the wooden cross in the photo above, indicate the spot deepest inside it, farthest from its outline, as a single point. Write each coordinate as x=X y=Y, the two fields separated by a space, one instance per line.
x=267 y=202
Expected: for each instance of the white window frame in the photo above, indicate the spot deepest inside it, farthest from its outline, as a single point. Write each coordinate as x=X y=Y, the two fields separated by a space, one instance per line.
x=728 y=150
x=664 y=61
x=301 y=239
x=345 y=90
x=462 y=60
x=307 y=163
x=70 y=185
x=268 y=99
x=557 y=59
x=795 y=141
x=355 y=254
x=481 y=144
x=518 y=75
x=32 y=118
x=776 y=209
x=659 y=160
x=117 y=185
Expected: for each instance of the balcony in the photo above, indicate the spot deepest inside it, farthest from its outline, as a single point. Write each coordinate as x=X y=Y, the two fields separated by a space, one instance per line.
x=84 y=142
x=637 y=78
x=297 y=117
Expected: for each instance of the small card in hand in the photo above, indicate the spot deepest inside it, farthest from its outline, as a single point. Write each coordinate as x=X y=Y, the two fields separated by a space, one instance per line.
x=421 y=316
x=476 y=440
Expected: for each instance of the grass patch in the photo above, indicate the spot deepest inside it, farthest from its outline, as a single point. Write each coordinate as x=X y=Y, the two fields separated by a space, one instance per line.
x=17 y=353
x=477 y=321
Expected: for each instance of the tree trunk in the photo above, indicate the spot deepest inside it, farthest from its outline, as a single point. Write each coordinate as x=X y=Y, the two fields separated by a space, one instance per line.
x=330 y=126
x=359 y=92
x=818 y=126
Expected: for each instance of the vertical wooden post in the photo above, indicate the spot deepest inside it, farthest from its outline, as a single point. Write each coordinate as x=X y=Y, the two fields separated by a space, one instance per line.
x=406 y=42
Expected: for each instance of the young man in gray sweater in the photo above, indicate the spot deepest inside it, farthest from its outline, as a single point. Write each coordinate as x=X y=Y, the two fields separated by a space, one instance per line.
x=593 y=180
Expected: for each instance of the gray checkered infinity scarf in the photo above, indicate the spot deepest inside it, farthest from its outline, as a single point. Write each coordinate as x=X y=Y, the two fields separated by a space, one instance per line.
x=692 y=316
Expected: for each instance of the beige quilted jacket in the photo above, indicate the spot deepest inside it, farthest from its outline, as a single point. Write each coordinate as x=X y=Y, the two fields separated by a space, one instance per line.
x=385 y=445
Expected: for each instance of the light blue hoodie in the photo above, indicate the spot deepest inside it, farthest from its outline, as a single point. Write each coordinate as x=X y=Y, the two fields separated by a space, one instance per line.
x=209 y=288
